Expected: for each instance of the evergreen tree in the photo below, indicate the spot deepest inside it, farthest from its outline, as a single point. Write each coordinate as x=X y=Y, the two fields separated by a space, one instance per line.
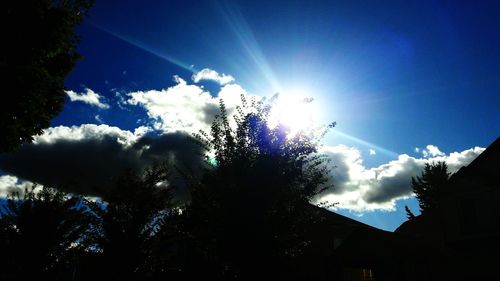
x=428 y=185
x=409 y=213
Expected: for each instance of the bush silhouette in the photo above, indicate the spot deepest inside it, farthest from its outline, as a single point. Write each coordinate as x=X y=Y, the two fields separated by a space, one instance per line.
x=249 y=209
x=137 y=208
x=42 y=232
x=249 y=215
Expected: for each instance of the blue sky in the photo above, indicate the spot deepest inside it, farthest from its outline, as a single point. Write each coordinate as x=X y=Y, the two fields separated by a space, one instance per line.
x=395 y=76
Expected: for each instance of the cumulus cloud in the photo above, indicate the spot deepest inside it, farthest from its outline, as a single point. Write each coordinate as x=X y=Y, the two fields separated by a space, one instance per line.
x=88 y=131
x=359 y=188
x=209 y=74
x=86 y=159
x=89 y=97
x=431 y=151
x=11 y=184
x=184 y=107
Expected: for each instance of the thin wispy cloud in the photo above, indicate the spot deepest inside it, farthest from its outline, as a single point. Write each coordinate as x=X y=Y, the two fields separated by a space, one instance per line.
x=89 y=97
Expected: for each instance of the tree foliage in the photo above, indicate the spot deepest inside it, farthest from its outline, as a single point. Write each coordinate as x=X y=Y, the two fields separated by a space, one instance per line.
x=38 y=52
x=249 y=214
x=41 y=233
x=409 y=213
x=138 y=207
x=46 y=234
x=249 y=207
x=428 y=186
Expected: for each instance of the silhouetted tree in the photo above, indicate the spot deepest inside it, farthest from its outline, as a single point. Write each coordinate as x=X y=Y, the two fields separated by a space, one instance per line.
x=249 y=210
x=409 y=213
x=136 y=209
x=38 y=52
x=427 y=187
x=42 y=231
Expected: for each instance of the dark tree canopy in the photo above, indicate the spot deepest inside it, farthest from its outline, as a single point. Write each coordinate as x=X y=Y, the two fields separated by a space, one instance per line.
x=38 y=52
x=46 y=234
x=429 y=184
x=138 y=207
x=249 y=209
x=249 y=215
x=41 y=234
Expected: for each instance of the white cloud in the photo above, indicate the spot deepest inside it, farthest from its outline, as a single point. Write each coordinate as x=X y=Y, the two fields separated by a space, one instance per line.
x=231 y=95
x=122 y=102
x=88 y=131
x=85 y=159
x=359 y=188
x=89 y=97
x=431 y=151
x=185 y=107
x=209 y=74
x=10 y=184
x=90 y=154
x=182 y=109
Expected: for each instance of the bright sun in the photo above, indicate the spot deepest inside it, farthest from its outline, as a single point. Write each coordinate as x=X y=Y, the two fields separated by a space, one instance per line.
x=294 y=111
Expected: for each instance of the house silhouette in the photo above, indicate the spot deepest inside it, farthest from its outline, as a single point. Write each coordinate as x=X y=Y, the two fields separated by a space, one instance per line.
x=461 y=239
x=458 y=241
